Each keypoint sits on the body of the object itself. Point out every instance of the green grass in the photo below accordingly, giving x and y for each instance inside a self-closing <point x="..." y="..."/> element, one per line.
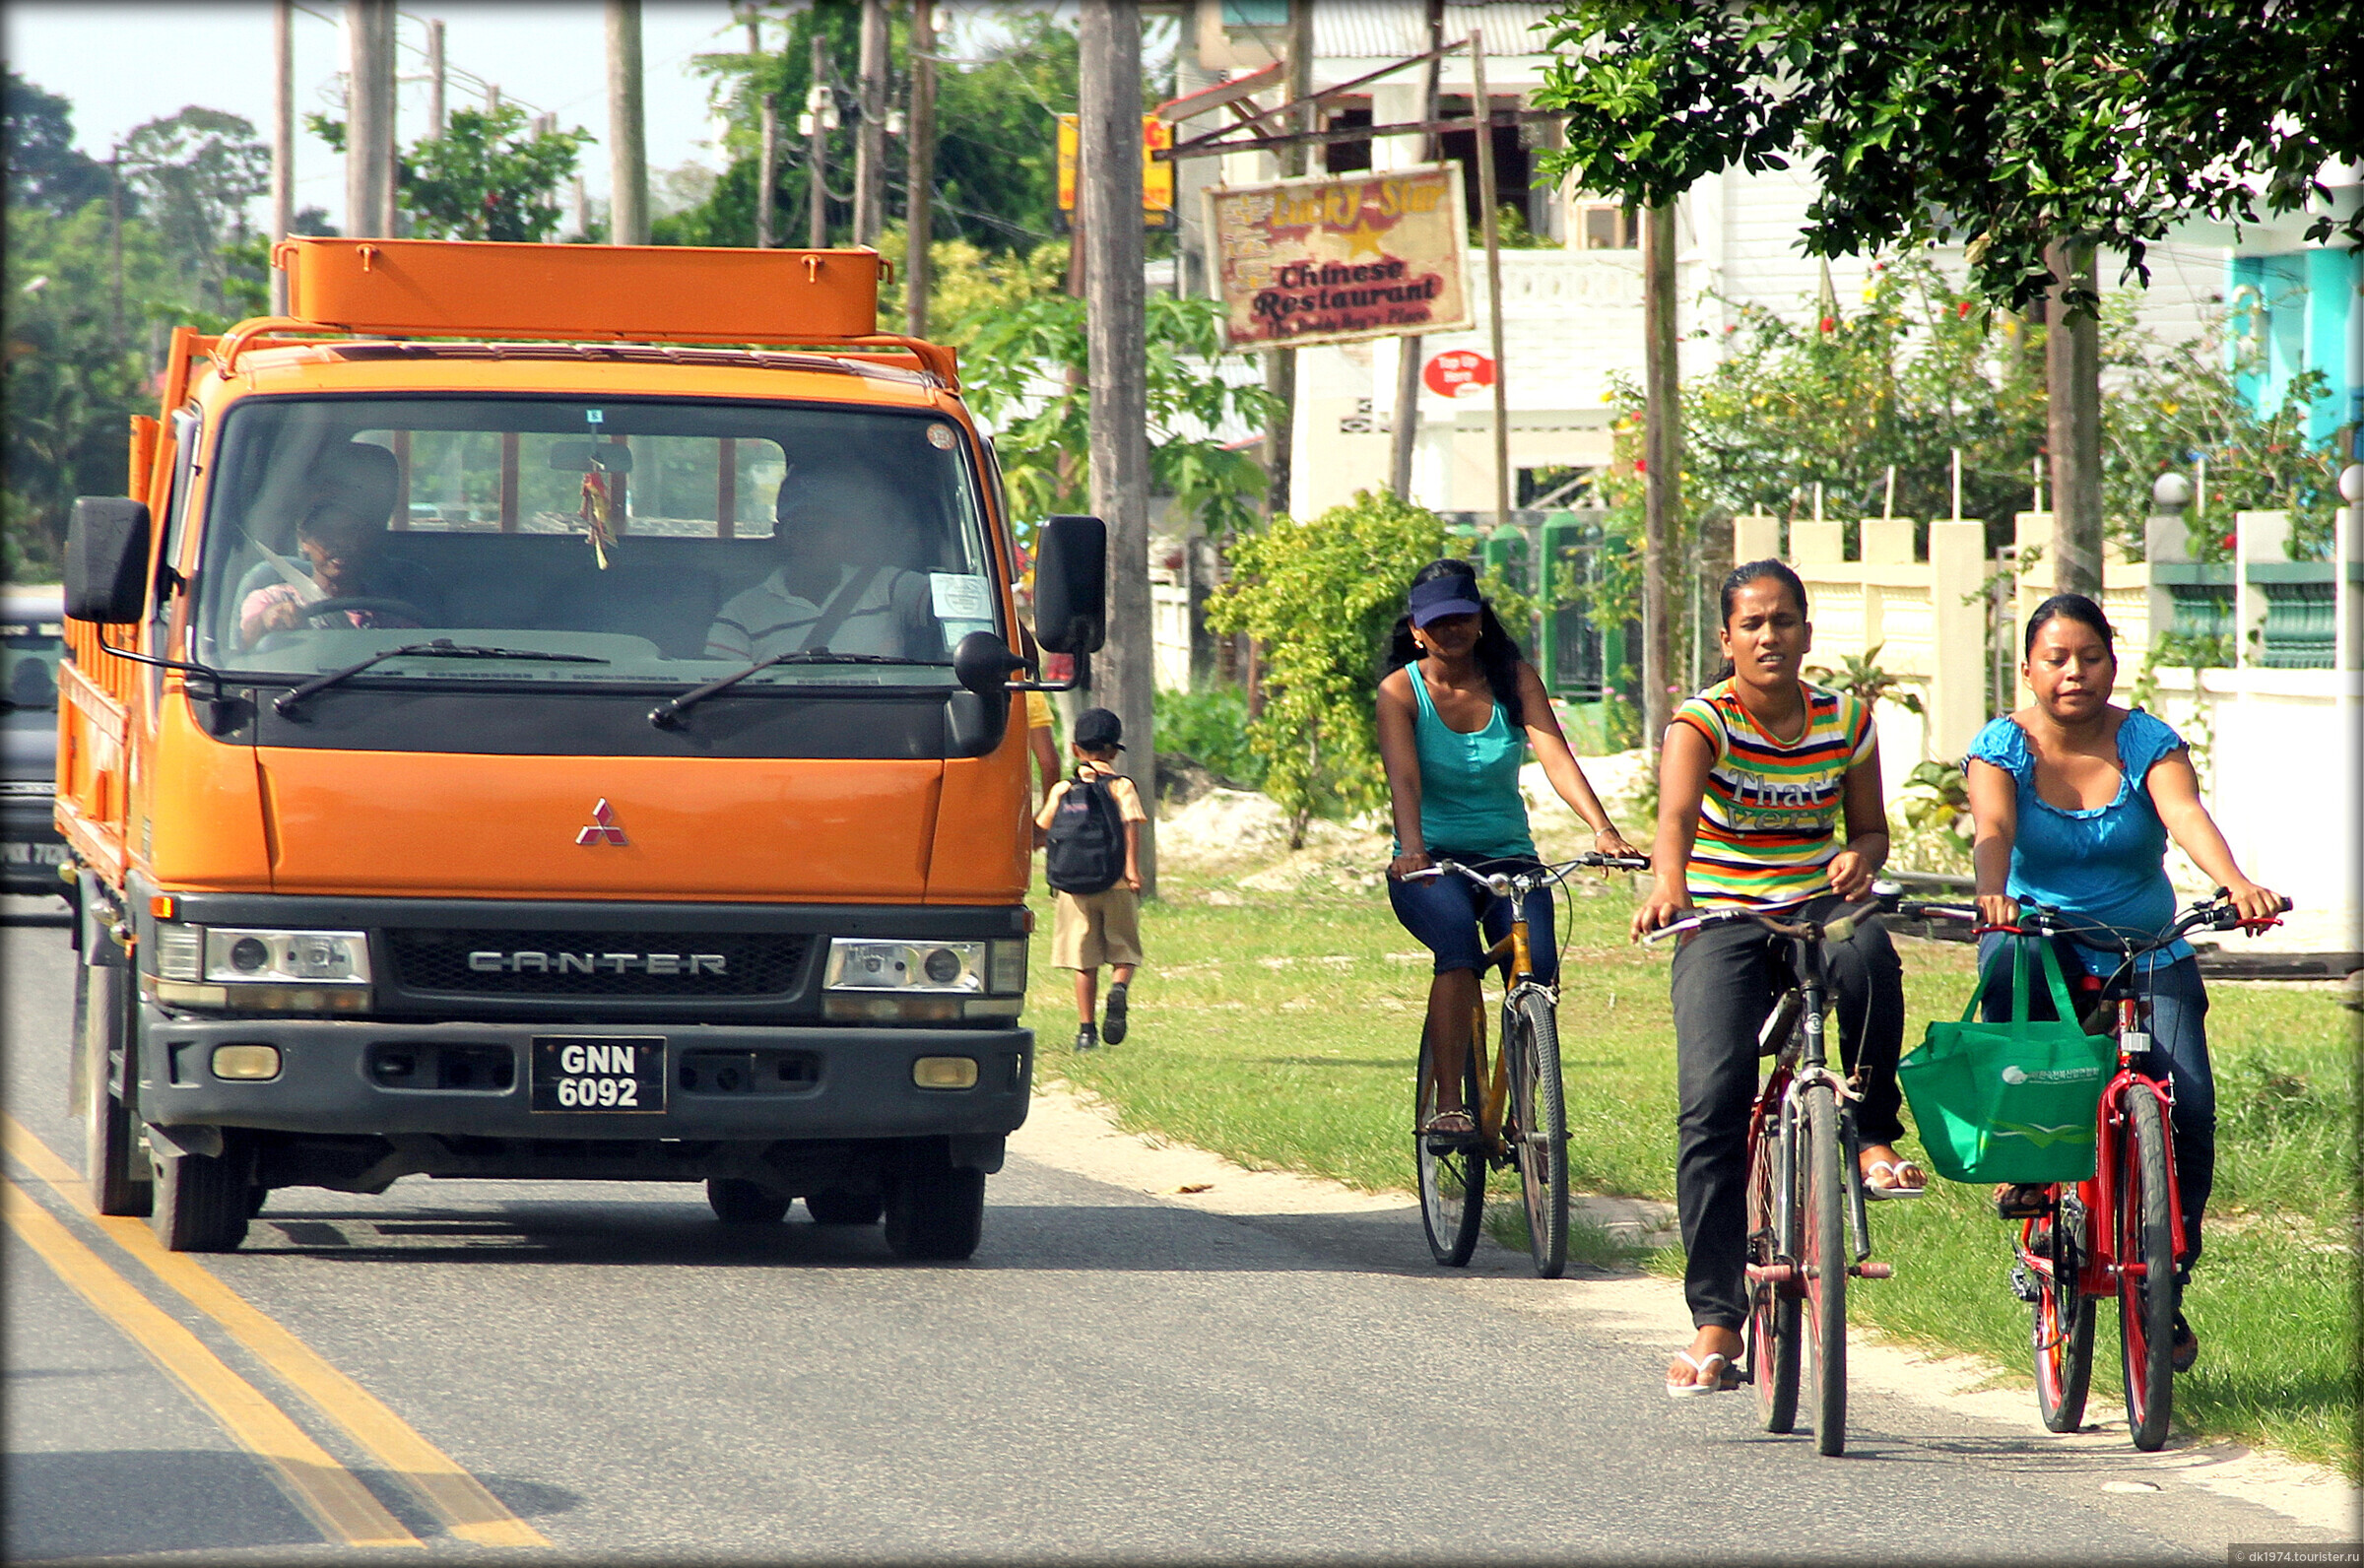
<point x="1278" y="1028"/>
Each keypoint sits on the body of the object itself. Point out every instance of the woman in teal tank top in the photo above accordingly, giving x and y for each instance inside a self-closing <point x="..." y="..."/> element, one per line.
<point x="1458" y="710"/>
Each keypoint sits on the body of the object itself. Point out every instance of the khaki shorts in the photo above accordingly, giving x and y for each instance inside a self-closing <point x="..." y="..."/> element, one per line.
<point x="1088" y="930"/>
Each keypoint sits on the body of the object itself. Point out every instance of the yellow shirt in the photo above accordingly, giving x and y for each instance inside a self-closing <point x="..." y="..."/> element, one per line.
<point x="1038" y="712"/>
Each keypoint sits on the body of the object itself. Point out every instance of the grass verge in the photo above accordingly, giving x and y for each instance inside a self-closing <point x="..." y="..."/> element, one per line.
<point x="1276" y="1025"/>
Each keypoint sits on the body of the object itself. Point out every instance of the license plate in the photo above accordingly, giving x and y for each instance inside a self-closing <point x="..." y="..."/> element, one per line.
<point x="16" y="853"/>
<point x="602" y="1074"/>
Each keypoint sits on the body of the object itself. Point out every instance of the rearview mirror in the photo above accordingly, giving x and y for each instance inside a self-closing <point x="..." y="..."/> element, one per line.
<point x="982" y="662"/>
<point x="1071" y="584"/>
<point x="106" y="559"/>
<point x="580" y="457"/>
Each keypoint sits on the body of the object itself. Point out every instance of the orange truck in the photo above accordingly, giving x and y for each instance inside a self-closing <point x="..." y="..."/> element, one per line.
<point x="548" y="711"/>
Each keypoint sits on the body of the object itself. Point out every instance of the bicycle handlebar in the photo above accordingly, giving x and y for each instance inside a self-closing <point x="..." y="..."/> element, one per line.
<point x="2043" y="920"/>
<point x="1838" y="929"/>
<point x="1507" y="884"/>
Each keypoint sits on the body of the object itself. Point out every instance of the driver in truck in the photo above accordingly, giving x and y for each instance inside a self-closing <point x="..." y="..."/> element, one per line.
<point x="340" y="547"/>
<point x="842" y="583"/>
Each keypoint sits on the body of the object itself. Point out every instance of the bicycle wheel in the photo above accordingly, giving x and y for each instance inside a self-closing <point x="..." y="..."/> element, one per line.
<point x="1452" y="1171"/>
<point x="2064" y="1339"/>
<point x="1772" y="1307"/>
<point x="1824" y="1248"/>
<point x="2146" y="1272"/>
<point x="1540" y="1139"/>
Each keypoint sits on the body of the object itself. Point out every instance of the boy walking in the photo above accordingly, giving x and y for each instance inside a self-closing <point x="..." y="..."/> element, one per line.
<point x="1091" y="824"/>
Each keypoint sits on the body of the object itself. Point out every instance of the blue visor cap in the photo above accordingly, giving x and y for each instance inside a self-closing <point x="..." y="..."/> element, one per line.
<point x="1444" y="596"/>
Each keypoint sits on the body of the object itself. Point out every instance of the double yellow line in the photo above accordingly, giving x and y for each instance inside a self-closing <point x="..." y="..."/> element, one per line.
<point x="327" y="1494"/>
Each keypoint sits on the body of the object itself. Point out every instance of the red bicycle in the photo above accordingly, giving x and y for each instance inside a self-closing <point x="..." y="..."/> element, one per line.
<point x="2120" y="1231"/>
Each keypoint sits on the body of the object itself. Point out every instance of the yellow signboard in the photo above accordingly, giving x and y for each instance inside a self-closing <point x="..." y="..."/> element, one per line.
<point x="1341" y="257"/>
<point x="1157" y="177"/>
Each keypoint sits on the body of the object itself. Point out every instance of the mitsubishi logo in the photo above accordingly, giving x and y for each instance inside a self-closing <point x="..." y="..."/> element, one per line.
<point x="603" y="828"/>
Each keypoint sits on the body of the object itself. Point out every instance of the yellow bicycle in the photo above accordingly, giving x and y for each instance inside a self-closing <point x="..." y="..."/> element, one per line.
<point x="1518" y="1109"/>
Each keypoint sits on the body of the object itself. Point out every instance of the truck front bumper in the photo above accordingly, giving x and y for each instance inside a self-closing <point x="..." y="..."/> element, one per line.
<point x="722" y="1081"/>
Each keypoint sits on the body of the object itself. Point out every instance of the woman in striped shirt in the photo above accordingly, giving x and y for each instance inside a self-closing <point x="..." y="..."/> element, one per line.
<point x="1756" y="776"/>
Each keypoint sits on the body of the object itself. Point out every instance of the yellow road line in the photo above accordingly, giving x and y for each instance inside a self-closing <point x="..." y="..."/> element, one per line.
<point x="324" y="1490"/>
<point x="463" y="1503"/>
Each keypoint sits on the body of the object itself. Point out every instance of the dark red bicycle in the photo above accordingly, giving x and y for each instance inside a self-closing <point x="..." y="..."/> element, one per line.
<point x="2120" y="1231"/>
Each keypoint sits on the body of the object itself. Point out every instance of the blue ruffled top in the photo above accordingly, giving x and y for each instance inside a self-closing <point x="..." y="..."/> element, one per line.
<point x="2104" y="865"/>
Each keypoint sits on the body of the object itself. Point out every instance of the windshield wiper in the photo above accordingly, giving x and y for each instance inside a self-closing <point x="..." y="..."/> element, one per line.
<point x="441" y="649"/>
<point x="664" y="714"/>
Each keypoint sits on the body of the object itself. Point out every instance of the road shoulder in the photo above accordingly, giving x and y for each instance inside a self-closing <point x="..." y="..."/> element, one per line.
<point x="1070" y="1133"/>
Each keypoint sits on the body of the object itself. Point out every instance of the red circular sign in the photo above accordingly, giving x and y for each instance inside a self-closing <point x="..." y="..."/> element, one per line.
<point x="1450" y="373"/>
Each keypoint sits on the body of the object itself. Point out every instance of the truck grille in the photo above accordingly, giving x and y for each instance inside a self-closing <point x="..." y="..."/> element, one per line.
<point x="596" y="964"/>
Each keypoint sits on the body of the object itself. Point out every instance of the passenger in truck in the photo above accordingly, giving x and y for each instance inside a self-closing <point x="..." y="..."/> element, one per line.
<point x="843" y="584"/>
<point x="339" y="546"/>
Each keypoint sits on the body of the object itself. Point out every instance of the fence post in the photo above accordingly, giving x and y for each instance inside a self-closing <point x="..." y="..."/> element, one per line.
<point x="1960" y="624"/>
<point x="1756" y="537"/>
<point x="2259" y="538"/>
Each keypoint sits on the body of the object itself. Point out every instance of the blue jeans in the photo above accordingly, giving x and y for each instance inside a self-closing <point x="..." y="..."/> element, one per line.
<point x="2179" y="1043"/>
<point x="1444" y="912"/>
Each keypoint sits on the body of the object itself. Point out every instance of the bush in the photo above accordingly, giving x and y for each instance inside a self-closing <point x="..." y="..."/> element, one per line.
<point x="1211" y="728"/>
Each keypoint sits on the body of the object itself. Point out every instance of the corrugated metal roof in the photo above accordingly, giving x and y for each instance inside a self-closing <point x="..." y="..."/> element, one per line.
<point x="1377" y="30"/>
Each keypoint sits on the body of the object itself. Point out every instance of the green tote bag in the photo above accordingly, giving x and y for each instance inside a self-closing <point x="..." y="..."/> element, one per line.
<point x="2015" y="1101"/>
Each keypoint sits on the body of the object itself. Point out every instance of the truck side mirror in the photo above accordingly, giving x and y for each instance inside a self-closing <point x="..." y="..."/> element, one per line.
<point x="106" y="559"/>
<point x="1071" y="584"/>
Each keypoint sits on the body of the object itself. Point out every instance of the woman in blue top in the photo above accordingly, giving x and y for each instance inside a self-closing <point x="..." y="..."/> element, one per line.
<point x="2073" y="802"/>
<point x="1457" y="709"/>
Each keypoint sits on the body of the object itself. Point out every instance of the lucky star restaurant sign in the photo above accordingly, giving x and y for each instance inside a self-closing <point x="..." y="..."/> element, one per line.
<point x="1340" y="258"/>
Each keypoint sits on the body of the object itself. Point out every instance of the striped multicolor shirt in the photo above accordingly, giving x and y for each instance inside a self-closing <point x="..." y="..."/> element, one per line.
<point x="1771" y="816"/>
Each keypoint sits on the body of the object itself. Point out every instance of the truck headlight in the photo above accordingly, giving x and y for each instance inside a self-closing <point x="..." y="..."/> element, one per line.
<point x="312" y="957"/>
<point x="943" y="967"/>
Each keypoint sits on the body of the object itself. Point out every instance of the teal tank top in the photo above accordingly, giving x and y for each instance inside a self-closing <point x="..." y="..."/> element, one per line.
<point x="1470" y="798"/>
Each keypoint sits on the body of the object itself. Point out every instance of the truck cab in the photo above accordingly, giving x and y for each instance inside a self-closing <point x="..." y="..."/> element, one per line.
<point x="546" y="712"/>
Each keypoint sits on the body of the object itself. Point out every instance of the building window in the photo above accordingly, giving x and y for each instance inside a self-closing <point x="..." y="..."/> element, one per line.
<point x="1605" y="225"/>
<point x="1342" y="158"/>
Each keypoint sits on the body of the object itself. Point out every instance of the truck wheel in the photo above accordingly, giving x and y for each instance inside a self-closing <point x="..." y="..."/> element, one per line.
<point x="936" y="1213"/>
<point x="119" y="1173"/>
<point x="838" y="1208"/>
<point x="202" y="1200"/>
<point x="743" y="1202"/>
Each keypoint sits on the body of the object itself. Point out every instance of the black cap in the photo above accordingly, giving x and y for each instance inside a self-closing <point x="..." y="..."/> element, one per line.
<point x="1098" y="730"/>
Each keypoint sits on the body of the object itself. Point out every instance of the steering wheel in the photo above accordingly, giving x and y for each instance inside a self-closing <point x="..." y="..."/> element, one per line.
<point x="363" y="602"/>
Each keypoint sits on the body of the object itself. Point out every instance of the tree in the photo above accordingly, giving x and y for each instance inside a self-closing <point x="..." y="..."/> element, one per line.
<point x="1018" y="361"/>
<point x="2032" y="134"/>
<point x="195" y="172"/>
<point x="72" y="380"/>
<point x="1320" y="597"/>
<point x="36" y="138"/>
<point x="489" y="176"/>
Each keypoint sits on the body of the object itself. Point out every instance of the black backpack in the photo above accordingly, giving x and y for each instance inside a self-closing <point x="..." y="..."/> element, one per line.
<point x="1084" y="852"/>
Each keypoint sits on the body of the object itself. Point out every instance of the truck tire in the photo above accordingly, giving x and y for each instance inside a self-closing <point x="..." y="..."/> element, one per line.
<point x="936" y="1211"/>
<point x="111" y="1157"/>
<point x="743" y="1202"/>
<point x="838" y="1208"/>
<point x="202" y="1200"/>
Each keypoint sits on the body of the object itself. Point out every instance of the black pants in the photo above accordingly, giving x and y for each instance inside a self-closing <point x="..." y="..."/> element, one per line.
<point x="1725" y="980"/>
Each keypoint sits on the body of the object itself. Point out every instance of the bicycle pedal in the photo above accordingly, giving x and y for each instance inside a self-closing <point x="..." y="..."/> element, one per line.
<point x="2011" y="1206"/>
<point x="2025" y="1285"/>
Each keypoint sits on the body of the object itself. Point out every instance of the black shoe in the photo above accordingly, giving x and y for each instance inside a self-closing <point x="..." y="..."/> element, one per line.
<point x="1088" y="1038"/>
<point x="2184" y="1348"/>
<point x="1115" y="1025"/>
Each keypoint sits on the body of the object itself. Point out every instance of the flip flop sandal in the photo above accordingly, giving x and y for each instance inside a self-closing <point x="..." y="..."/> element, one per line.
<point x="1450" y="1123"/>
<point x="1722" y="1380"/>
<point x="1897" y="1187"/>
<point x="2184" y="1348"/>
<point x="2023" y="1200"/>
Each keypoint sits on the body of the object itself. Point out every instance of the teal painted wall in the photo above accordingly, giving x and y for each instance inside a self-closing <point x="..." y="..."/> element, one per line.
<point x="2290" y="313"/>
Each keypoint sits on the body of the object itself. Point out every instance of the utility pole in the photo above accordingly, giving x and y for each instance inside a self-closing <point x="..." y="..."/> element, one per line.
<point x="1280" y="364"/>
<point x="870" y="131"/>
<point x="370" y="117"/>
<point x="767" y="163"/>
<point x="919" y="180"/>
<point x="436" y="78"/>
<point x="1108" y="198"/>
<point x="1662" y="480"/>
<point x="627" y="128"/>
<point x="114" y="230"/>
<point x="1489" y="224"/>
<point x="816" y="147"/>
<point x="2072" y="420"/>
<point x="1406" y="432"/>
<point x="283" y="139"/>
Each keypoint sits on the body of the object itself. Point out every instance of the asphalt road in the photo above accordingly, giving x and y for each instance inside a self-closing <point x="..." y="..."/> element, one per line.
<point x="1111" y="1378"/>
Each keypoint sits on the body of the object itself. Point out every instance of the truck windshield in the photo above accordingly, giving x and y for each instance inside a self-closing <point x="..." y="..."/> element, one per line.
<point x="670" y="541"/>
